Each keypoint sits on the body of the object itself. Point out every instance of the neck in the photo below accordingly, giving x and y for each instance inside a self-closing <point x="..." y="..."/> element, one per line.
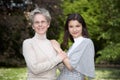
<point x="78" y="38"/>
<point x="41" y="37"/>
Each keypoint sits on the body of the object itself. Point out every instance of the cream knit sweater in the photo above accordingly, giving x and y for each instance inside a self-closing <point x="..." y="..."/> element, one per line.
<point x="41" y="58"/>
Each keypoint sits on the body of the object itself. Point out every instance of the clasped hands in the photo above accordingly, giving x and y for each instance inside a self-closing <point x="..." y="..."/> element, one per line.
<point x="57" y="47"/>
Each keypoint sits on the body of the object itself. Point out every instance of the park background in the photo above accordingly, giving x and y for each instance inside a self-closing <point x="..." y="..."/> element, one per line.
<point x="103" y="22"/>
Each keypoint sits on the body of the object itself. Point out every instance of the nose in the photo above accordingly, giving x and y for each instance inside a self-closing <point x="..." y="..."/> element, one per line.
<point x="74" y="29"/>
<point x="40" y="24"/>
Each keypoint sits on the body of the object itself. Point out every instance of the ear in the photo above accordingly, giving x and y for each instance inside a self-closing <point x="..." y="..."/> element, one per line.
<point x="33" y="27"/>
<point x="48" y="24"/>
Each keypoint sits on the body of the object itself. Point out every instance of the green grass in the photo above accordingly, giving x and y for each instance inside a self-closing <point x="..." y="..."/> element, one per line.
<point x="13" y="74"/>
<point x="20" y="74"/>
<point x="107" y="74"/>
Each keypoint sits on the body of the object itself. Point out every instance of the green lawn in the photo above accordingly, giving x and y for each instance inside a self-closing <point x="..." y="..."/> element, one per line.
<point x="107" y="74"/>
<point x="13" y="74"/>
<point x="20" y="74"/>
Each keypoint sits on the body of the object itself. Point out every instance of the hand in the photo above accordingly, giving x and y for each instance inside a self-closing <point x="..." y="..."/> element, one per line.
<point x="56" y="46"/>
<point x="63" y="55"/>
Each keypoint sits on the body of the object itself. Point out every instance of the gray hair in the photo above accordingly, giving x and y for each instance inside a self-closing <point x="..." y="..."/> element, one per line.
<point x="42" y="11"/>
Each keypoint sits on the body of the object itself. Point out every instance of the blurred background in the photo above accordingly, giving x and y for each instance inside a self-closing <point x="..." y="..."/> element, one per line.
<point x="103" y="22"/>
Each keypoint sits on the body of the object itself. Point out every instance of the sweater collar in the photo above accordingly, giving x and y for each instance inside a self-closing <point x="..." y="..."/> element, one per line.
<point x="41" y="37"/>
<point x="78" y="39"/>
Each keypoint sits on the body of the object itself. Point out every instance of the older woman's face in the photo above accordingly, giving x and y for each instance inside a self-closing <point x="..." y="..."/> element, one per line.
<point x="40" y="24"/>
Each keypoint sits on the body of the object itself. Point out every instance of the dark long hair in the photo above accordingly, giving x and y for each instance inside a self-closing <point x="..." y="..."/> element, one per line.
<point x="67" y="35"/>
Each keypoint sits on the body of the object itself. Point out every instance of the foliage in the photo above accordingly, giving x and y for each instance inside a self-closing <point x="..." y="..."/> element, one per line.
<point x="12" y="29"/>
<point x="110" y="54"/>
<point x="109" y="20"/>
<point x="109" y="23"/>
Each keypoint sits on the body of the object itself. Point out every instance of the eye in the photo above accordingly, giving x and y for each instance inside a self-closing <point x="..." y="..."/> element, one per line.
<point x="70" y="26"/>
<point x="36" y="22"/>
<point x="78" y="26"/>
<point x="43" y="21"/>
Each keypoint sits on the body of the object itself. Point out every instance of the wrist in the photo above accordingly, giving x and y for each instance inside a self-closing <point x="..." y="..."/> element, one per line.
<point x="59" y="51"/>
<point x="65" y="58"/>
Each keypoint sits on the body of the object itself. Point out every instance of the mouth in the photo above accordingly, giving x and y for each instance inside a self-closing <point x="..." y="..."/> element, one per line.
<point x="75" y="33"/>
<point x="40" y="28"/>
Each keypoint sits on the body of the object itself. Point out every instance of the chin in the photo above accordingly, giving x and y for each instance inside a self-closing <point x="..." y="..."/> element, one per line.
<point x="41" y="33"/>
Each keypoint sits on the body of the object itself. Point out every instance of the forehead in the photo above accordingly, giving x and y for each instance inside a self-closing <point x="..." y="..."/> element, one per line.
<point x="73" y="22"/>
<point x="39" y="17"/>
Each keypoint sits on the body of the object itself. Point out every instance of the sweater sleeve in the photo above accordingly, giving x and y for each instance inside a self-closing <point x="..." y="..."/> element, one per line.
<point x="60" y="66"/>
<point x="33" y="65"/>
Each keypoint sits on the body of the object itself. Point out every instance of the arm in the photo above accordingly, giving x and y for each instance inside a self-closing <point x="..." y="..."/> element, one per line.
<point x="33" y="65"/>
<point x="67" y="64"/>
<point x="84" y="64"/>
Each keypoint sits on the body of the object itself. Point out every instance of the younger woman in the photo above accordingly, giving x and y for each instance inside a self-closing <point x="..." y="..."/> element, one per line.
<point x="80" y="61"/>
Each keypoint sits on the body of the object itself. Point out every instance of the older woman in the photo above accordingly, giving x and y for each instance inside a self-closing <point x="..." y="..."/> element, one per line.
<point x="40" y="56"/>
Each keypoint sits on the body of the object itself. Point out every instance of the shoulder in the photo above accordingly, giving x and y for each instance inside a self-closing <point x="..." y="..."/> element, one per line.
<point x="27" y="41"/>
<point x="88" y="40"/>
<point x="53" y="41"/>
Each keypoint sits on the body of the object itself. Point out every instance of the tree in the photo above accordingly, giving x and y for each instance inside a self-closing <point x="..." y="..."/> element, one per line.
<point x="15" y="27"/>
<point x="109" y="23"/>
<point x="102" y="18"/>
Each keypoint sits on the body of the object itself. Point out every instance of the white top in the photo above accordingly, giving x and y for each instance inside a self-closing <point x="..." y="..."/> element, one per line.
<point x="81" y="58"/>
<point x="77" y="41"/>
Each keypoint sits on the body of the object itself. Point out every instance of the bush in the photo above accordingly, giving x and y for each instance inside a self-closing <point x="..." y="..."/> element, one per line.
<point x="110" y="54"/>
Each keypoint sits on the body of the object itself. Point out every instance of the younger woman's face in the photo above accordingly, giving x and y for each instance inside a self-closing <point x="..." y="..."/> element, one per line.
<point x="75" y="28"/>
